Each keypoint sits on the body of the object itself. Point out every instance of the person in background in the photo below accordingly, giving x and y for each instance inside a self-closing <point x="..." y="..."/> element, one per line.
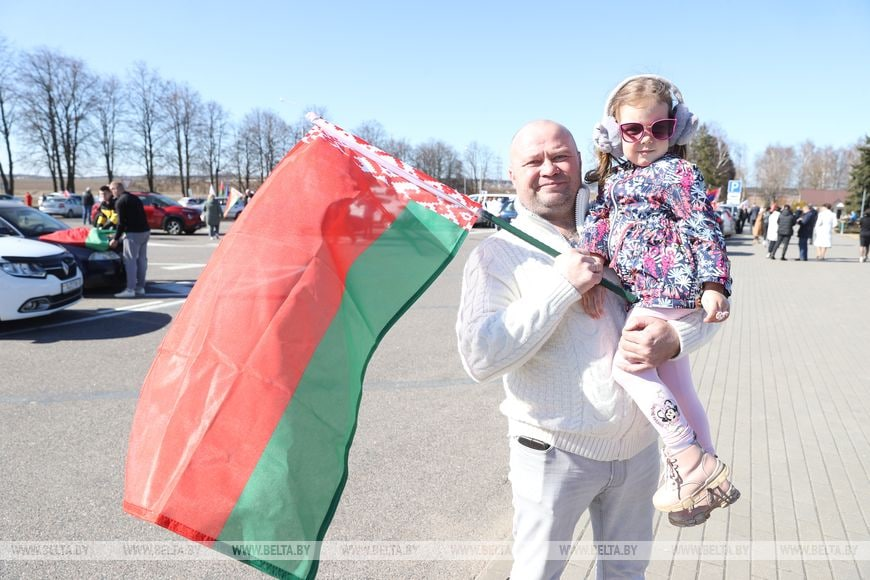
<point x="864" y="236"/>
<point x="758" y="226"/>
<point x="28" y="199"/>
<point x="106" y="218"/>
<point x="806" y="224"/>
<point x="211" y="209"/>
<point x="571" y="427"/>
<point x="824" y="230"/>
<point x="87" y="205"/>
<point x="133" y="233"/>
<point x="784" y="231"/>
<point x="772" y="229"/>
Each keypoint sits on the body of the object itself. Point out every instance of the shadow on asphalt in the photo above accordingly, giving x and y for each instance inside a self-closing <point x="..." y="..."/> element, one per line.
<point x="84" y="325"/>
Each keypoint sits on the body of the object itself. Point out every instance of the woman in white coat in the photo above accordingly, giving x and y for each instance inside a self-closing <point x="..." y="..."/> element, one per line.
<point x="825" y="224"/>
<point x="772" y="228"/>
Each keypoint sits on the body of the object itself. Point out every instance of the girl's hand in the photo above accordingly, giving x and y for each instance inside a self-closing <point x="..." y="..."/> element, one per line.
<point x="592" y="302"/>
<point x="715" y="305"/>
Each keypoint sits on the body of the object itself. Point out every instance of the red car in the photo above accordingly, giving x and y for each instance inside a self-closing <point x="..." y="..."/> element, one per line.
<point x="164" y="213"/>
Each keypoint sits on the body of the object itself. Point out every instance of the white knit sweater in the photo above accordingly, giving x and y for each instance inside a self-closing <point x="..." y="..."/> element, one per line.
<point x="520" y="318"/>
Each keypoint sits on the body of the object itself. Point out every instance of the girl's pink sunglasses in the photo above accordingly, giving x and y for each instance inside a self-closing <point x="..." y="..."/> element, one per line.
<point x="663" y="129"/>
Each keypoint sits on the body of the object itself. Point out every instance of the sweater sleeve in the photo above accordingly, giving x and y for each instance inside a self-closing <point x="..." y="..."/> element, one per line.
<point x="693" y="331"/>
<point x="498" y="329"/>
<point x="122" y="211"/>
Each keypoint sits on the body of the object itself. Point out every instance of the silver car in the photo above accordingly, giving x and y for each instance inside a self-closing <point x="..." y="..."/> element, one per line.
<point x="62" y="204"/>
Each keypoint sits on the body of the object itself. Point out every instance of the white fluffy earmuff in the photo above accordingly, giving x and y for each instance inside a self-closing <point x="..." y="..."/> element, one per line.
<point x="606" y="136"/>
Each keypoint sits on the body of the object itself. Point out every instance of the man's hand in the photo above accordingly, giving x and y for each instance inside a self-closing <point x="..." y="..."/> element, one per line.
<point x="581" y="270"/>
<point x="646" y="343"/>
<point x="113" y="244"/>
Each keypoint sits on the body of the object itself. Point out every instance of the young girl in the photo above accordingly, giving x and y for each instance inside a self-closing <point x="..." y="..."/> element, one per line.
<point x="655" y="226"/>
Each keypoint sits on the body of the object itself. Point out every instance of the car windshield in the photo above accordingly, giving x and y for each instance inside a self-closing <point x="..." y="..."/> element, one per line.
<point x="30" y="221"/>
<point x="165" y="199"/>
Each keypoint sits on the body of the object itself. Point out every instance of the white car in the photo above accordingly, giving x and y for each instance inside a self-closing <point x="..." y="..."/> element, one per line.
<point x="726" y="222"/>
<point x="36" y="278"/>
<point x="62" y="205"/>
<point x="192" y="202"/>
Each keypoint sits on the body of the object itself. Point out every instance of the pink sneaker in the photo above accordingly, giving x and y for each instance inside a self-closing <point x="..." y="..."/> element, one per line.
<point x="690" y="475"/>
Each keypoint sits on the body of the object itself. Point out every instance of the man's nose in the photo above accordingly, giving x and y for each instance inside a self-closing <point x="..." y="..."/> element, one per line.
<point x="548" y="167"/>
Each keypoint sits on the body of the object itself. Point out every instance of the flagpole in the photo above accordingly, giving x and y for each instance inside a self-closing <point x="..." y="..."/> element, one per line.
<point x="387" y="161"/>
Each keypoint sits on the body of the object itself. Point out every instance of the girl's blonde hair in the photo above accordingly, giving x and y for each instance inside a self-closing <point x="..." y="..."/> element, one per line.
<point x="636" y="91"/>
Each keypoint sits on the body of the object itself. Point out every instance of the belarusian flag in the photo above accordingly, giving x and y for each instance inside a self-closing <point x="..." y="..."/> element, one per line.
<point x="86" y="236"/>
<point x="235" y="195"/>
<point x="246" y="417"/>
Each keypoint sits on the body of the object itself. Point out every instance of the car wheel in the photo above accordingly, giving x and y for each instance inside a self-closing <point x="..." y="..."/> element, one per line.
<point x="173" y="226"/>
<point x="69" y="213"/>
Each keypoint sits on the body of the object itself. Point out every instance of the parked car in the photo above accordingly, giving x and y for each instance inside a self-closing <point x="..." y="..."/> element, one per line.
<point x="235" y="211"/>
<point x="36" y="278"/>
<point x="7" y="197"/>
<point x="726" y="222"/>
<point x="508" y="212"/>
<point x="494" y="203"/>
<point x="100" y="269"/>
<point x="164" y="213"/>
<point x="62" y="204"/>
<point x="192" y="202"/>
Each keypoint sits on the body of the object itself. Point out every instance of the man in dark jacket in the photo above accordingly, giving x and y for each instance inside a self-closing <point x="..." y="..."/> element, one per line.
<point x="864" y="236"/>
<point x="785" y="229"/>
<point x="87" y="204"/>
<point x="806" y="224"/>
<point x="133" y="226"/>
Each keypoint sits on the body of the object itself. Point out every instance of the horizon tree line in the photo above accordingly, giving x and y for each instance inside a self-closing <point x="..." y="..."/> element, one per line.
<point x="65" y="117"/>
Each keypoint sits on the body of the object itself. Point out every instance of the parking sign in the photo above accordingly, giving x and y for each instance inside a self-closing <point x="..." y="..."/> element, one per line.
<point x="735" y="191"/>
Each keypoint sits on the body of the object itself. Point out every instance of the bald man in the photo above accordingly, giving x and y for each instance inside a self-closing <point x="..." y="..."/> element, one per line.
<point x="577" y="440"/>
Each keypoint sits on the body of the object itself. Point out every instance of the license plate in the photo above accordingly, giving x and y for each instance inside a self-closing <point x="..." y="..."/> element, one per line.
<point x="71" y="285"/>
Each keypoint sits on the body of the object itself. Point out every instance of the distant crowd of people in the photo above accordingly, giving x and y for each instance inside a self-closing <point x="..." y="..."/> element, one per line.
<point x="777" y="224"/>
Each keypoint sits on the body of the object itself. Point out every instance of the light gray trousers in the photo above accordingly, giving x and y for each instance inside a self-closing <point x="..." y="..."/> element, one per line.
<point x="136" y="258"/>
<point x="552" y="489"/>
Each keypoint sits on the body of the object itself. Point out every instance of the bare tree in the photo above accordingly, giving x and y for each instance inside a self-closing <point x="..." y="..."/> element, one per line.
<point x="182" y="110"/>
<point x="847" y="158"/>
<point x="8" y="106"/>
<point x="214" y="131"/>
<point x="477" y="158"/>
<point x="243" y="158"/>
<point x="39" y="74"/>
<point x="775" y="169"/>
<point x="145" y="91"/>
<point x="400" y="148"/>
<point x="109" y="110"/>
<point x="302" y="125"/>
<point x="77" y="93"/>
<point x="440" y="161"/>
<point x="373" y="132"/>
<point x="268" y="137"/>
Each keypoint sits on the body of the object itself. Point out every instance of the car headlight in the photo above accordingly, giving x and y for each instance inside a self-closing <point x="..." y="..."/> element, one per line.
<point x="22" y="269"/>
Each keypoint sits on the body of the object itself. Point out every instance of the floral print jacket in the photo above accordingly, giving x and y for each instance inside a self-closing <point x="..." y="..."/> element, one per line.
<point x="659" y="232"/>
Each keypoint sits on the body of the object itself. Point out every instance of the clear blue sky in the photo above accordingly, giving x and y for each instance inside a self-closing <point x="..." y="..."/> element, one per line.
<point x="765" y="73"/>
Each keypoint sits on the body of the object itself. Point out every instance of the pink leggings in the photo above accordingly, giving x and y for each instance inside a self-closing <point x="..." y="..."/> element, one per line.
<point x="667" y="395"/>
